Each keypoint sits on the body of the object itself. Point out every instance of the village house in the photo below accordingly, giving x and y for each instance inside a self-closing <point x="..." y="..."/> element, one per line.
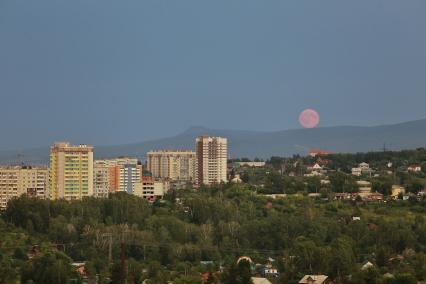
<point x="342" y="196"/>
<point x="363" y="168"/>
<point x="396" y="191"/>
<point x="414" y="169"/>
<point x="366" y="265"/>
<point x="260" y="280"/>
<point x="315" y="279"/>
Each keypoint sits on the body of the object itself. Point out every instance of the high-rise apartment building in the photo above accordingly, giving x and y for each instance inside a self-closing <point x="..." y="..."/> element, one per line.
<point x="101" y="186"/>
<point x="16" y="181"/>
<point x="212" y="159"/>
<point x="175" y="165"/>
<point x="117" y="175"/>
<point x="71" y="171"/>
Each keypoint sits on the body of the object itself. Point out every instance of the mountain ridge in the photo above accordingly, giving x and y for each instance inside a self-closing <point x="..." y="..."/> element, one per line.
<point x="263" y="144"/>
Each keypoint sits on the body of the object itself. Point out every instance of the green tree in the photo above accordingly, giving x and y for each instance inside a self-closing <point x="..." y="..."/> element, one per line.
<point x="51" y="267"/>
<point x="238" y="273"/>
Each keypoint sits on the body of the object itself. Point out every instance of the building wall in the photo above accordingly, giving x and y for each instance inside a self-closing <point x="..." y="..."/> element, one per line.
<point x="212" y="158"/>
<point x="16" y="181"/>
<point x="9" y="187"/>
<point x="173" y="165"/>
<point x="152" y="189"/>
<point x="71" y="171"/>
<point x="122" y="173"/>
<point x="34" y="181"/>
<point x="100" y="180"/>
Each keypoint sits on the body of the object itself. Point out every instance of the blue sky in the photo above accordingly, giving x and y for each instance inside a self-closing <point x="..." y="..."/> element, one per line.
<point x="110" y="72"/>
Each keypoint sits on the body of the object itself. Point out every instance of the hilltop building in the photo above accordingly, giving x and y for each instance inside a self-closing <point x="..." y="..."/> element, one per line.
<point x="363" y="168"/>
<point x="255" y="164"/>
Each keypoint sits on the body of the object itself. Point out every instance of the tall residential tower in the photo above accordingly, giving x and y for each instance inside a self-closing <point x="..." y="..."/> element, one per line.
<point x="212" y="158"/>
<point x="175" y="165"/>
<point x="71" y="171"/>
<point x="116" y="175"/>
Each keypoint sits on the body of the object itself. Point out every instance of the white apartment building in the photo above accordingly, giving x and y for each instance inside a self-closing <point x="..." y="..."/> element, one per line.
<point x="175" y="165"/>
<point x="212" y="159"/>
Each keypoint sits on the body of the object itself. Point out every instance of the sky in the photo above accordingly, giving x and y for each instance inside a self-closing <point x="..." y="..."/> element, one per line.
<point x="107" y="72"/>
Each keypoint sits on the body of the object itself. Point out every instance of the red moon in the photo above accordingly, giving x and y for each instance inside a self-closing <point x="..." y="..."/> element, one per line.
<point x="309" y="118"/>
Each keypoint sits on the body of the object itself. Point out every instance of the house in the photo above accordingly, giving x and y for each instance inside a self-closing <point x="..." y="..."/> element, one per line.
<point x="237" y="179"/>
<point x="371" y="226"/>
<point x="314" y="279"/>
<point x="259" y="280"/>
<point x="315" y="170"/>
<point x="206" y="276"/>
<point x="250" y="164"/>
<point x="375" y="196"/>
<point x="407" y="196"/>
<point x="318" y="152"/>
<point x="80" y="268"/>
<point x="366" y="265"/>
<point x="364" y="188"/>
<point x="356" y="172"/>
<point x="342" y="196"/>
<point x="363" y="168"/>
<point x="316" y="167"/>
<point x="275" y="196"/>
<point x="33" y="252"/>
<point x="414" y="169"/>
<point x="363" y="183"/>
<point x="364" y="192"/>
<point x="397" y="190"/>
<point x="269" y="270"/>
<point x="314" y="174"/>
<point x="421" y="194"/>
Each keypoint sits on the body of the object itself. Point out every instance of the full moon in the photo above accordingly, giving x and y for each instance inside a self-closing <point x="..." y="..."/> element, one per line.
<point x="309" y="118"/>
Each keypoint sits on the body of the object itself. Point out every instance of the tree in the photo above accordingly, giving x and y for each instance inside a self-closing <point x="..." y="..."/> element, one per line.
<point x="51" y="267"/>
<point x="342" y="258"/>
<point x="341" y="182"/>
<point x="188" y="280"/>
<point x="382" y="185"/>
<point x="7" y="273"/>
<point x="238" y="273"/>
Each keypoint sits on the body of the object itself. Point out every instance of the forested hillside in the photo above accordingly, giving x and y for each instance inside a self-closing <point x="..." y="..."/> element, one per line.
<point x="191" y="233"/>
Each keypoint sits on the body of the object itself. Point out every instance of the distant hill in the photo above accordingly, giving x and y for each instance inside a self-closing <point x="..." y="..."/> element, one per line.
<point x="262" y="144"/>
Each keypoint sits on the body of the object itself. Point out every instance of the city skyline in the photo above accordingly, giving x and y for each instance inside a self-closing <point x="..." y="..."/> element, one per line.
<point x="213" y="142"/>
